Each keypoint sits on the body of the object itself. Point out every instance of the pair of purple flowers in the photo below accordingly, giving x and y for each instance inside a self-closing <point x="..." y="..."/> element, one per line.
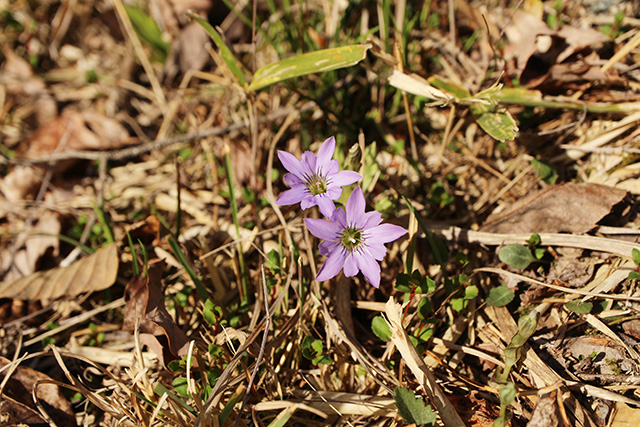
<point x="353" y="239"/>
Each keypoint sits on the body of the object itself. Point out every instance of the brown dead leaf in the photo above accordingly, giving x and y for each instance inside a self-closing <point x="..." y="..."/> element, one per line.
<point x="188" y="51"/>
<point x="551" y="59"/>
<point x="625" y="416"/>
<point x="145" y="300"/>
<point x="34" y="248"/>
<point x="572" y="208"/>
<point x="72" y="130"/>
<point x="29" y="90"/>
<point x="546" y="413"/>
<point x="93" y="273"/>
<point x="476" y="412"/>
<point x="17" y="406"/>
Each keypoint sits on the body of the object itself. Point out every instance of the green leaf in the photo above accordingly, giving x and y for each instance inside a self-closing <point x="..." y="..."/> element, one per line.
<point x="225" y="53"/>
<point x="545" y="171"/>
<point x="634" y="275"/>
<point x="635" y="253"/>
<point x="322" y="359"/>
<point x="516" y="256"/>
<point x="307" y="347"/>
<point x="308" y="63"/>
<point x="539" y="253"/>
<point x="180" y="386"/>
<point x="412" y="409"/>
<point x="500" y="296"/>
<point x="507" y="393"/>
<point x="498" y="124"/>
<point x="579" y="307"/>
<point x="371" y="166"/>
<point x="424" y="308"/>
<point x="148" y="31"/>
<point x="380" y="327"/>
<point x="534" y="240"/>
<point x="425" y="334"/>
<point x="458" y="304"/>
<point x="470" y="292"/>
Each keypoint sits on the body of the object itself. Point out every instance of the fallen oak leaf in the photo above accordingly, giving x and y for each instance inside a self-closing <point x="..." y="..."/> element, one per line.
<point x="572" y="208"/>
<point x="95" y="272"/>
<point x="158" y="330"/>
<point x="17" y="406"/>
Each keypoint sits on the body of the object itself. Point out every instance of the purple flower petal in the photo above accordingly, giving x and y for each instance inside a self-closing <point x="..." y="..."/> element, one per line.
<point x="331" y="168"/>
<point x="331" y="266"/>
<point x="334" y="193"/>
<point x="291" y="196"/>
<point x="345" y="178"/>
<point x="292" y="164"/>
<point x="377" y="251"/>
<point x="327" y="247"/>
<point x="371" y="219"/>
<point x="309" y="159"/>
<point x="369" y="267"/>
<point x="355" y="208"/>
<point x="322" y="229"/>
<point x="384" y="233"/>
<point x="325" y="153"/>
<point x="292" y="179"/>
<point x="339" y="217"/>
<point x="325" y="204"/>
<point x="350" y="266"/>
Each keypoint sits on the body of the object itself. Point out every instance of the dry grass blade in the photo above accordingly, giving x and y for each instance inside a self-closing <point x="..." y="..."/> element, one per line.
<point x="419" y="369"/>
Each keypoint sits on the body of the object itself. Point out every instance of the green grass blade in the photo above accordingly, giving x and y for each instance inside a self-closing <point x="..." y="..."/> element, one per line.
<point x="225" y="53"/>
<point x="234" y="213"/>
<point x="438" y="249"/>
<point x="182" y="259"/>
<point x="308" y="63"/>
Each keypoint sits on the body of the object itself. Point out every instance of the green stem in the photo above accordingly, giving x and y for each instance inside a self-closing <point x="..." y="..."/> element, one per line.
<point x="244" y="294"/>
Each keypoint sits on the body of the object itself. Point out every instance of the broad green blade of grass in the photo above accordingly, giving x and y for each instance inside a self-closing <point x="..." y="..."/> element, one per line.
<point x="225" y="53"/>
<point x="148" y="31"/>
<point x="308" y="63"/>
<point x="499" y="124"/>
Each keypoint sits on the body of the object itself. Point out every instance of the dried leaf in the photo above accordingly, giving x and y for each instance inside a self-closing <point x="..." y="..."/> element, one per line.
<point x="18" y="407"/>
<point x="93" y="273"/>
<point x="573" y="208"/>
<point x="158" y="330"/>
<point x="546" y="413"/>
<point x="74" y="130"/>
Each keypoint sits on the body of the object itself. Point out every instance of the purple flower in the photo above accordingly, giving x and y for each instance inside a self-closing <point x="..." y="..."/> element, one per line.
<point x="353" y="240"/>
<point x="315" y="180"/>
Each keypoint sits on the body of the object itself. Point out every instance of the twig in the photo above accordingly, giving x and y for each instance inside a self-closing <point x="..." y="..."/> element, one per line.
<point x="137" y="150"/>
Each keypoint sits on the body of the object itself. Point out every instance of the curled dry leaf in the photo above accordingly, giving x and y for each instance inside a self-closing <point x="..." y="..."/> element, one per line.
<point x="17" y="406"/>
<point x="93" y="273"/>
<point x="158" y="330"/>
<point x="572" y="208"/>
<point x="33" y="248"/>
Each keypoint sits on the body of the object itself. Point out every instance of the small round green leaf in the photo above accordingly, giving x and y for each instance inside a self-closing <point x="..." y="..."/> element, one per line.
<point x="380" y="327"/>
<point x="500" y="296"/>
<point x="578" y="307"/>
<point x="516" y="256"/>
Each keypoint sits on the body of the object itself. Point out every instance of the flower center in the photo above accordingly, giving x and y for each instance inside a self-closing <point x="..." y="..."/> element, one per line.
<point x="351" y="238"/>
<point x="317" y="185"/>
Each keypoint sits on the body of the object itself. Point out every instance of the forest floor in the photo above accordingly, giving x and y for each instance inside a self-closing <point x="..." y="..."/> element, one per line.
<point x="151" y="275"/>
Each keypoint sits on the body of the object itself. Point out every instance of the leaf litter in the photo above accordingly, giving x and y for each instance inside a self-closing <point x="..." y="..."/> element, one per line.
<point x="114" y="142"/>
